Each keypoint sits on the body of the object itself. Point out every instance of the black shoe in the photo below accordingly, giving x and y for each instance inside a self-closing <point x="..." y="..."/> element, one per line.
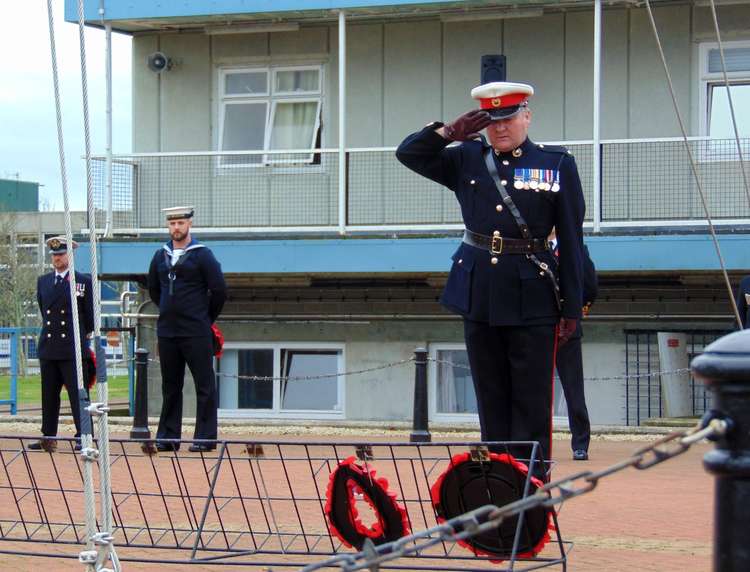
<point x="201" y="448"/>
<point x="77" y="447"/>
<point x="162" y="447"/>
<point x="580" y="455"/>
<point x="42" y="445"/>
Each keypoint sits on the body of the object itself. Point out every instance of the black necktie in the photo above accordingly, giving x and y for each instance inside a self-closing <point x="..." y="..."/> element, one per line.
<point x="58" y="280"/>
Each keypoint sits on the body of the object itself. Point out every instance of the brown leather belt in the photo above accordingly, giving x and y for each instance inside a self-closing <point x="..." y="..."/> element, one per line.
<point x="501" y="245"/>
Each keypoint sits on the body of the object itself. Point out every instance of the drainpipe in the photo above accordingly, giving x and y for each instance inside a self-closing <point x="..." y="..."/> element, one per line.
<point x="342" y="122"/>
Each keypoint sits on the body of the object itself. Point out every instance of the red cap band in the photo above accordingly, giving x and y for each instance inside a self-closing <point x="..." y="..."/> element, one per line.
<point x="504" y="101"/>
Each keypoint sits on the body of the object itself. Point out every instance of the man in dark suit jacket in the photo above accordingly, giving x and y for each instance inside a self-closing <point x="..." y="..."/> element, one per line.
<point x="569" y="361"/>
<point x="743" y="301"/>
<point x="186" y="282"/>
<point x="56" y="346"/>
<point x="504" y="281"/>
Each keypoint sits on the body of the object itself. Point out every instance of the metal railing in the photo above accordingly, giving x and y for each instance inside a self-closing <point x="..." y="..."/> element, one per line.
<point x="644" y="182"/>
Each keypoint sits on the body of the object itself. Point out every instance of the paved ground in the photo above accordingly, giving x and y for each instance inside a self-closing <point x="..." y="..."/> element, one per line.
<point x="654" y="520"/>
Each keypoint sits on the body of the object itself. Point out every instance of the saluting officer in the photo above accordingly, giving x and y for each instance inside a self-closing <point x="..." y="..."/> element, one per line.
<point x="504" y="281"/>
<point x="569" y="361"/>
<point x="743" y="301"/>
<point x="56" y="346"/>
<point x="186" y="282"/>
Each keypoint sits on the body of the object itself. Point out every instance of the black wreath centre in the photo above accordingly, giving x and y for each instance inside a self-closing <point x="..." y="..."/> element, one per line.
<point x="473" y="484"/>
<point x="342" y="514"/>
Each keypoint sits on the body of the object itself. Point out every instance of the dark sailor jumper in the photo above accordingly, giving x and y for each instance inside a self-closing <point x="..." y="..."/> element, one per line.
<point x="189" y="290"/>
<point x="504" y="280"/>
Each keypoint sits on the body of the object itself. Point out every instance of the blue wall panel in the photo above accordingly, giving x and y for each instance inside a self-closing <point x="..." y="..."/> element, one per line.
<point x="412" y="255"/>
<point x="144" y="9"/>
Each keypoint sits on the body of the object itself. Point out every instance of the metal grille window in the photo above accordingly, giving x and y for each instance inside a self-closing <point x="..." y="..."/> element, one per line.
<point x="716" y="119"/>
<point x="269" y="109"/>
<point x="643" y="382"/>
<point x="293" y="380"/>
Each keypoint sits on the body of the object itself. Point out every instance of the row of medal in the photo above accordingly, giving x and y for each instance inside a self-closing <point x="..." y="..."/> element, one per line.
<point x="537" y="179"/>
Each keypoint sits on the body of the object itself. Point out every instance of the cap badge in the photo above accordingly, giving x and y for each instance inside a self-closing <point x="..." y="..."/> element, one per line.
<point x="496" y="101"/>
<point x="54" y="244"/>
<point x="517" y="152"/>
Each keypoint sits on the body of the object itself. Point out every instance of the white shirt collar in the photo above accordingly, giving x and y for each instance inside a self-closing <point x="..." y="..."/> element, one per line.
<point x="62" y="274"/>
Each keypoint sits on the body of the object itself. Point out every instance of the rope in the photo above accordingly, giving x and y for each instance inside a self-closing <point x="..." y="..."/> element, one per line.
<point x="103" y="539"/>
<point x="693" y="166"/>
<point x="729" y="96"/>
<point x="86" y="440"/>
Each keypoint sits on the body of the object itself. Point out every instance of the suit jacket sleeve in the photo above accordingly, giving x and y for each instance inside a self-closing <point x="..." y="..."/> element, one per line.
<point x="154" y="284"/>
<point x="39" y="293"/>
<point x="741" y="300"/>
<point x="214" y="278"/>
<point x="590" y="282"/>
<point x="570" y="208"/>
<point x="427" y="153"/>
<point x="88" y="305"/>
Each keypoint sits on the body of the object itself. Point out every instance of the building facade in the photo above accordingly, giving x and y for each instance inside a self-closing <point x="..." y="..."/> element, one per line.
<point x="279" y="125"/>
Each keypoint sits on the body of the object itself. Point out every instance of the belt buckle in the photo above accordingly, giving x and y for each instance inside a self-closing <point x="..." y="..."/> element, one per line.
<point x="493" y="242"/>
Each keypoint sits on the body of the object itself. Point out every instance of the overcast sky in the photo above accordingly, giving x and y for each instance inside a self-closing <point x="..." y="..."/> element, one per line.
<point x="28" y="132"/>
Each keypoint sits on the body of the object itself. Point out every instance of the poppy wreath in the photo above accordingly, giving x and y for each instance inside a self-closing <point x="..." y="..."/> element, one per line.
<point x="217" y="337"/>
<point x="343" y="518"/>
<point x="466" y="485"/>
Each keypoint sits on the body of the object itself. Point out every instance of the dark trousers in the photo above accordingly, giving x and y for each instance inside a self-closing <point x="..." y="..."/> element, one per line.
<point x="512" y="368"/>
<point x="570" y="370"/>
<point x="197" y="353"/>
<point x="55" y="375"/>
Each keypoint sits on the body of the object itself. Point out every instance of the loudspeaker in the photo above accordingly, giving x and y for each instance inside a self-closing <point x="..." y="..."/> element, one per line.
<point x="493" y="68"/>
<point x="158" y="62"/>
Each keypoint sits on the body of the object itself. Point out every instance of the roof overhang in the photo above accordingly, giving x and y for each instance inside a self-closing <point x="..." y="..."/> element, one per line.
<point x="137" y="16"/>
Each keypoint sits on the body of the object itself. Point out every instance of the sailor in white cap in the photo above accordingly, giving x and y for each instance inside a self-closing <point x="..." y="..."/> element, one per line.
<point x="56" y="345"/>
<point x="516" y="299"/>
<point x="186" y="282"/>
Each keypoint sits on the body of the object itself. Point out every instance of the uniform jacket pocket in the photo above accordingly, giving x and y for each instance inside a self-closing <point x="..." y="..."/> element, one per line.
<point x="457" y="293"/>
<point x="537" y="294"/>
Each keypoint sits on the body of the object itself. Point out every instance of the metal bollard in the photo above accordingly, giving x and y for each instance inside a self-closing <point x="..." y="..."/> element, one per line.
<point x="140" y="428"/>
<point x="421" y="431"/>
<point x="725" y="369"/>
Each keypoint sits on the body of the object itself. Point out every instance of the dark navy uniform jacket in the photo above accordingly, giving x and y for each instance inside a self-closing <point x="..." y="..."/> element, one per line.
<point x="56" y="339"/>
<point x="511" y="292"/>
<point x="198" y="291"/>
<point x="743" y="301"/>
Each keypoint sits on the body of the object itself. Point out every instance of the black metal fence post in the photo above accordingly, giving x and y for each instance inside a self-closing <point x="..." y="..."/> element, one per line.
<point x="724" y="367"/>
<point x="421" y="431"/>
<point x="140" y="428"/>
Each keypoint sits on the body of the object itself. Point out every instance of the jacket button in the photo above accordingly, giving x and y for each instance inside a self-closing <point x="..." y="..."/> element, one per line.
<point x="493" y="260"/>
<point x="49" y="323"/>
<point x="472" y="182"/>
<point x="503" y="182"/>
<point x="62" y="311"/>
<point x="62" y="335"/>
<point x="505" y="162"/>
<point x="496" y="234"/>
<point x="62" y="323"/>
<point x="49" y="335"/>
<point x="460" y="260"/>
<point x="499" y="208"/>
<point x="48" y="311"/>
<point x="541" y="274"/>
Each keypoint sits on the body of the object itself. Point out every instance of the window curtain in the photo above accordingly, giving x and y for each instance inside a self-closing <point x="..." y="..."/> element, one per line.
<point x="294" y="125"/>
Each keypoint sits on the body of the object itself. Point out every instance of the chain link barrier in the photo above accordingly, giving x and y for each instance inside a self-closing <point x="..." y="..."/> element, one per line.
<point x="490" y="517"/>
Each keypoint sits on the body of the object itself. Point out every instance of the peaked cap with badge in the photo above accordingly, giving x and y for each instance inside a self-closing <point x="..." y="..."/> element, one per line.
<point x="176" y="213"/>
<point x="59" y="245"/>
<point x="504" y="281"/>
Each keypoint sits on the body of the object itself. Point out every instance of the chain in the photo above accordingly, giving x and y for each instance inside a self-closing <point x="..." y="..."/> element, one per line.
<point x="490" y="517"/>
<point x="308" y="377"/>
<point x="603" y="378"/>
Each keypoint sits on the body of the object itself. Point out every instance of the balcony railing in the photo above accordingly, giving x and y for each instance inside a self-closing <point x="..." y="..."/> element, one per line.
<point x="646" y="183"/>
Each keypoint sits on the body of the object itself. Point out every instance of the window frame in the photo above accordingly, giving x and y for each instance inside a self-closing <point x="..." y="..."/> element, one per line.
<point x="710" y="79"/>
<point x="270" y="98"/>
<point x="276" y="412"/>
<point x="432" y="379"/>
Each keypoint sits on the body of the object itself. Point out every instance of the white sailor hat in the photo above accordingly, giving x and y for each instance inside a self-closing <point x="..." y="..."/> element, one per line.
<point x="502" y="99"/>
<point x="174" y="213"/>
<point x="59" y="245"/>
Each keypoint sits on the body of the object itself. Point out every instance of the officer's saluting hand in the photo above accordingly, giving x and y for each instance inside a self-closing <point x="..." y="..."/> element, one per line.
<point x="513" y="294"/>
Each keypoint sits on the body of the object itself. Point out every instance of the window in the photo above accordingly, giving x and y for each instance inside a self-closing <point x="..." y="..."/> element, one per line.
<point x="269" y="109"/>
<point x="716" y="120"/>
<point x="286" y="392"/>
